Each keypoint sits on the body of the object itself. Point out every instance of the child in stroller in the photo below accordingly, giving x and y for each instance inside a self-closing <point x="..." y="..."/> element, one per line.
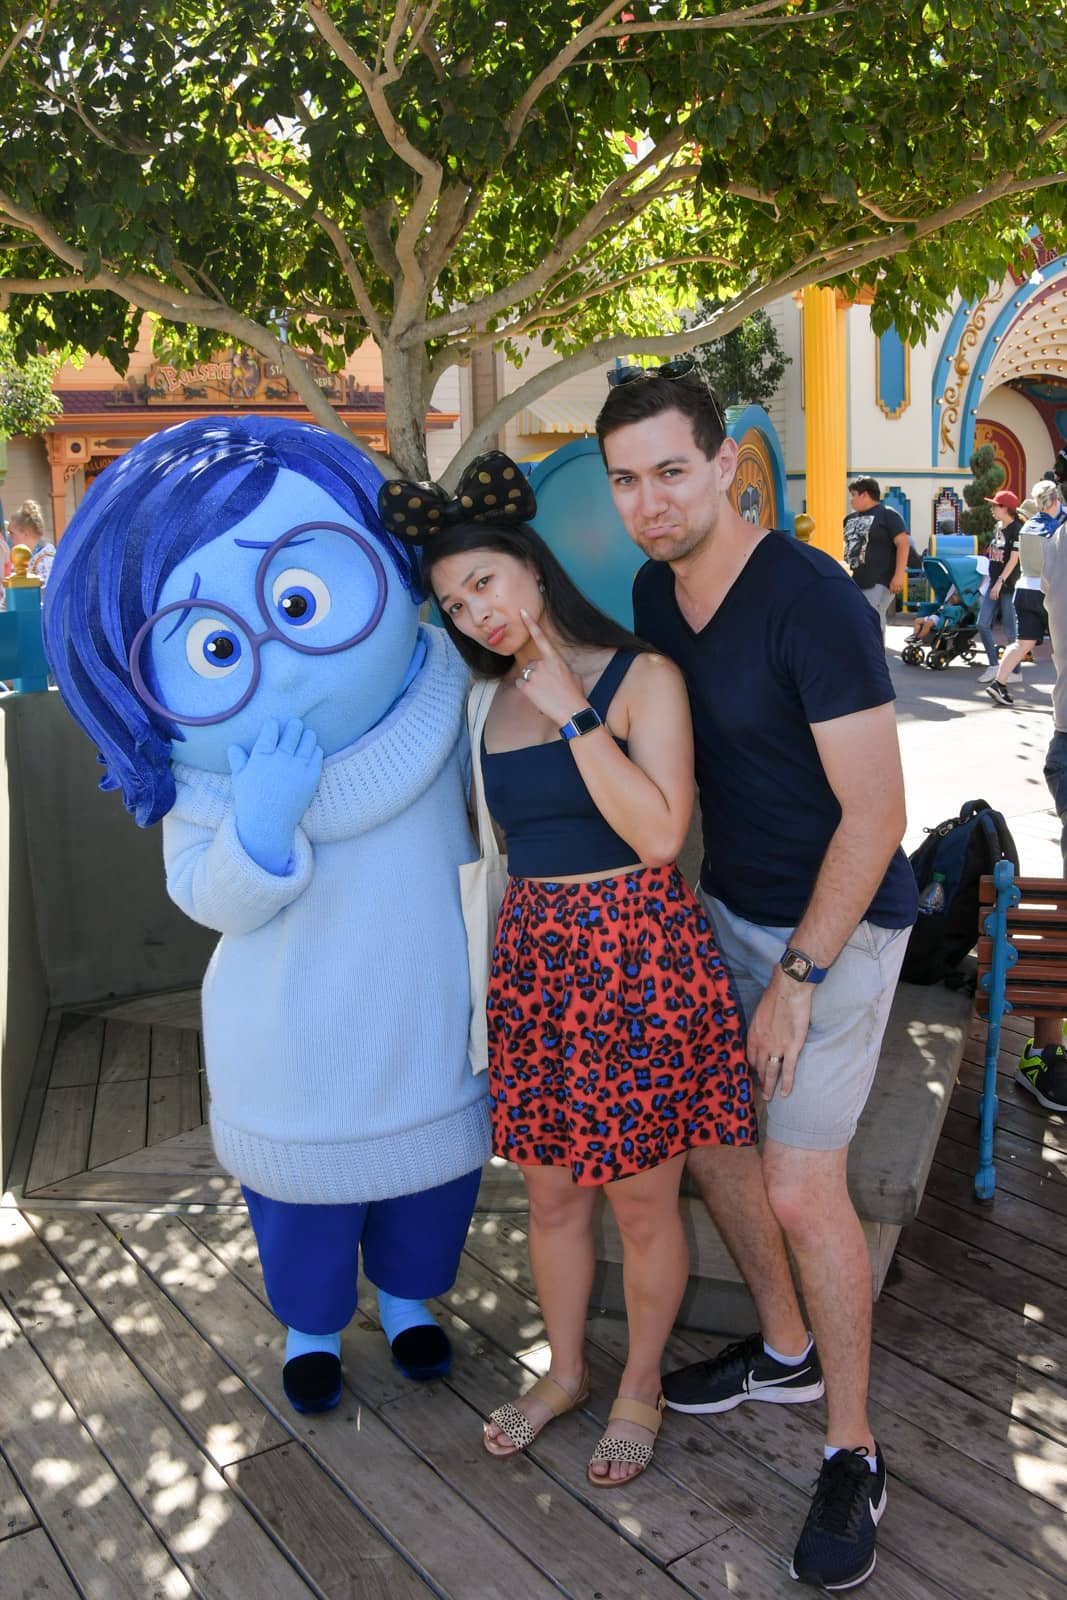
<point x="947" y="624"/>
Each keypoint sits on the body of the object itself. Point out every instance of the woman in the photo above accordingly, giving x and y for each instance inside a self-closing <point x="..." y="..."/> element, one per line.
<point x="614" y="1044"/>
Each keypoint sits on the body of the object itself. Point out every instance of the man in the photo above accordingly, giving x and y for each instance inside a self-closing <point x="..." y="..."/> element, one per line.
<point x="1042" y="1068"/>
<point x="803" y="810"/>
<point x="876" y="546"/>
<point x="1003" y="572"/>
<point x="1030" y="613"/>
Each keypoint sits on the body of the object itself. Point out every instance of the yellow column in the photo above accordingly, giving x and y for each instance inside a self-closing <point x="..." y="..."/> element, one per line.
<point x="826" y="415"/>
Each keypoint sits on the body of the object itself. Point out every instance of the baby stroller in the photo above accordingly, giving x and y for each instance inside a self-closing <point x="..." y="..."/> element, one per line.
<point x="957" y="631"/>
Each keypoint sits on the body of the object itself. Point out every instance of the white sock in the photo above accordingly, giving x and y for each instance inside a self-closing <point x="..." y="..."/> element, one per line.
<point x="789" y="1361"/>
<point x="832" y="1449"/>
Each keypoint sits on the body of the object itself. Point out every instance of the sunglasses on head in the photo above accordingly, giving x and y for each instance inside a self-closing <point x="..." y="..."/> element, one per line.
<point x="683" y="369"/>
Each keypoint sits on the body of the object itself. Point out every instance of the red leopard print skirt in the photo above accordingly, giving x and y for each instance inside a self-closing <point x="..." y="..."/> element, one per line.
<point x="614" y="1036"/>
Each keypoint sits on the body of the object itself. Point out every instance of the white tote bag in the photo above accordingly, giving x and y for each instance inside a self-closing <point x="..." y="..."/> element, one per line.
<point x="481" y="882"/>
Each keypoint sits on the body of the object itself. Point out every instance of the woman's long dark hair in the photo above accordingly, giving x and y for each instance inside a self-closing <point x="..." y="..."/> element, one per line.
<point x="575" y="619"/>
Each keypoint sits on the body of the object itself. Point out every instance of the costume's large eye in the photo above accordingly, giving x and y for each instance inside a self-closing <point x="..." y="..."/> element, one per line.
<point x="213" y="648"/>
<point x="300" y="598"/>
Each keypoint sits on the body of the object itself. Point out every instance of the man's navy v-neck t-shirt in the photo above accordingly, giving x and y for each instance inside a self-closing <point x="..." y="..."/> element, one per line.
<point x="793" y="643"/>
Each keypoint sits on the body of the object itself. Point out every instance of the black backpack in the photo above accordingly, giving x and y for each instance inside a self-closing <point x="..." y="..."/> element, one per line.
<point x="963" y="850"/>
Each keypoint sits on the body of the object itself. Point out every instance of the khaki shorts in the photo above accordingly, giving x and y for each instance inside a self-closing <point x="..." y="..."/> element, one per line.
<point x="849" y="1012"/>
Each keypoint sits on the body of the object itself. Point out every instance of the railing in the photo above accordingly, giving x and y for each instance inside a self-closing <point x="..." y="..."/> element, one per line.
<point x="22" y="657"/>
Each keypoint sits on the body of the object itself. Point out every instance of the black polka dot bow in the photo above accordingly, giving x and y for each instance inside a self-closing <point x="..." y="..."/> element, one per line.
<point x="493" y="489"/>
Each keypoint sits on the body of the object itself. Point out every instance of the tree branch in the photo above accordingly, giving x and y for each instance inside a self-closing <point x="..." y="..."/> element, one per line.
<point x="557" y="66"/>
<point x="20" y="34"/>
<point x="531" y="282"/>
<point x="247" y="169"/>
<point x="745" y="17"/>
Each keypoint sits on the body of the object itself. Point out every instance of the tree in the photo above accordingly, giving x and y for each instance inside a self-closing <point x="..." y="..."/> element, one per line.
<point x="453" y="177"/>
<point x="745" y="366"/>
<point x="988" y="478"/>
<point x="27" y="403"/>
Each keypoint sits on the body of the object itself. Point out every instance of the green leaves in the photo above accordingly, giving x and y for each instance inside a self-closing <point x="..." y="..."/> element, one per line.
<point x="192" y="148"/>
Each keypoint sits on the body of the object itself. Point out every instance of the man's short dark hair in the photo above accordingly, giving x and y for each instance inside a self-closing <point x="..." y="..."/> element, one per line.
<point x="868" y="486"/>
<point x="651" y="397"/>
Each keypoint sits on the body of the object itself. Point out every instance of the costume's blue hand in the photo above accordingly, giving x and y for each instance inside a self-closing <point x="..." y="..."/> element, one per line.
<point x="273" y="785"/>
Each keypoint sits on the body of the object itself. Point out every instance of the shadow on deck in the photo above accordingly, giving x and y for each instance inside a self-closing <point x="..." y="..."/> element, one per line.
<point x="146" y="1448"/>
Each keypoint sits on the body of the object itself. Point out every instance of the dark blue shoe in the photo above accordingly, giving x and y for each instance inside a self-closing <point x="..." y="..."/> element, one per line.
<point x="312" y="1382"/>
<point x="423" y="1352"/>
<point x="836" y="1549"/>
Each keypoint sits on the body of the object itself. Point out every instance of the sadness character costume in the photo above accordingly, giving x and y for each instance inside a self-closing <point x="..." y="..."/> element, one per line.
<point x="231" y="625"/>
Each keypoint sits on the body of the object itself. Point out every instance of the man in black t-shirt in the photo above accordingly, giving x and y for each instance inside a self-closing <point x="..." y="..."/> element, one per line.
<point x="810" y="899"/>
<point x="1003" y="571"/>
<point x="876" y="546"/>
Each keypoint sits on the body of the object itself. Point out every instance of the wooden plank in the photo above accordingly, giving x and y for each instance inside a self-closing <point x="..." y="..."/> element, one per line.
<point x="1049" y="1192"/>
<point x="178" y="1008"/>
<point x="1016" y="1113"/>
<point x="446" y="1429"/>
<point x="79" y="1047"/>
<point x="735" y="1567"/>
<point x="143" y="1443"/>
<point x="921" y="1543"/>
<point x="1006" y="1211"/>
<point x="173" y="1051"/>
<point x="126" y="1047"/>
<point x="432" y="1525"/>
<point x="912" y="1452"/>
<point x="62" y="1145"/>
<point x="982" y="1232"/>
<point x="121" y="1188"/>
<point x="34" y="1104"/>
<point x="173" y="1106"/>
<point x="1027" y="1460"/>
<point x="16" y="1513"/>
<point x="1021" y="1338"/>
<point x="84" y="1506"/>
<point x="31" y="1570"/>
<point x="226" y="1420"/>
<point x="322" y="1530"/>
<point x="187" y="1154"/>
<point x="120" y="1120"/>
<point x="1013" y="1388"/>
<point x="1045" y="1161"/>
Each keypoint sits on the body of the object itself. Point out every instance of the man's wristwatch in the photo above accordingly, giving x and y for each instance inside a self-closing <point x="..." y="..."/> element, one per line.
<point x="795" y="964"/>
<point x="583" y="721"/>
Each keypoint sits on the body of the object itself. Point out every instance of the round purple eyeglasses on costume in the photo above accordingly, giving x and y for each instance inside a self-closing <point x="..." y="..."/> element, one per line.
<point x="256" y="641"/>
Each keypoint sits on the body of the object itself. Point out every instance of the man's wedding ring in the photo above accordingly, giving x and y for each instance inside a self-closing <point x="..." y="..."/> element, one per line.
<point x="775" y="1061"/>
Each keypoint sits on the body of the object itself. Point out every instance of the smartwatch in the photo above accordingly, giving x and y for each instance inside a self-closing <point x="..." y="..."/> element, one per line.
<point x="583" y="721"/>
<point x="801" y="967"/>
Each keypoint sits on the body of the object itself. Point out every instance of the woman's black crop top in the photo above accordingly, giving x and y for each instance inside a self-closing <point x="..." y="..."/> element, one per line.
<point x="538" y="798"/>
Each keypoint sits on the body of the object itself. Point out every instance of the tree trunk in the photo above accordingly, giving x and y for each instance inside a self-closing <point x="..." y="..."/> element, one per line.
<point x="404" y="373"/>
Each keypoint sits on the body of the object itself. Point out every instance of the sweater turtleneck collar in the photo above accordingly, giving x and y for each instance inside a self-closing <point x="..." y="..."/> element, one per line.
<point x="376" y="778"/>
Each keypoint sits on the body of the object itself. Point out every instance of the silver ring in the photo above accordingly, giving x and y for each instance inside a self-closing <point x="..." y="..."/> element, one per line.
<point x="775" y="1061"/>
<point x="525" y="673"/>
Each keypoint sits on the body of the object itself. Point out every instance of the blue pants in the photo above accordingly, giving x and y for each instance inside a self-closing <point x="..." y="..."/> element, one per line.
<point x="1056" y="778"/>
<point x="310" y="1254"/>
<point x="1005" y="605"/>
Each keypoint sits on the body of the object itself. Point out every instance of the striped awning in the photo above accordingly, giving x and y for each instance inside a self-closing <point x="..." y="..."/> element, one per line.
<point x="553" y="414"/>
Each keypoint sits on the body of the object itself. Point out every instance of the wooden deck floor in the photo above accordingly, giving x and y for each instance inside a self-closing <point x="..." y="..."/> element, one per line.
<point x="147" y="1453"/>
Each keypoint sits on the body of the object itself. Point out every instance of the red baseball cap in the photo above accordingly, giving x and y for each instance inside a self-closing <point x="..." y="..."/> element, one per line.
<point x="1005" y="498"/>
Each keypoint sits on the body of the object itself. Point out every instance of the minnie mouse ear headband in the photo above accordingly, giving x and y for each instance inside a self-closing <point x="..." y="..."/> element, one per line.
<point x="493" y="489"/>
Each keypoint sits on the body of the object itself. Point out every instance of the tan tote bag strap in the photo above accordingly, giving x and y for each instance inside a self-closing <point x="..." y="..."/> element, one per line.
<point x="478" y="702"/>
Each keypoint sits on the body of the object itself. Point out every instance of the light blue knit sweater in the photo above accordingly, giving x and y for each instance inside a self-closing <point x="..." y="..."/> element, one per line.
<point x="336" y="1004"/>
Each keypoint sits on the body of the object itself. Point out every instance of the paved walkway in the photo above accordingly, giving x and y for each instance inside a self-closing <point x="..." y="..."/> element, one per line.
<point x="957" y="745"/>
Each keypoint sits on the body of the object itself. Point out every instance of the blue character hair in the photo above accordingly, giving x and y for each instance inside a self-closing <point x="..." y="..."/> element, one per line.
<point x="167" y="497"/>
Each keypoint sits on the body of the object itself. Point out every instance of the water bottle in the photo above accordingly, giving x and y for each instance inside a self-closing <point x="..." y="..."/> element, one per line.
<point x="933" y="896"/>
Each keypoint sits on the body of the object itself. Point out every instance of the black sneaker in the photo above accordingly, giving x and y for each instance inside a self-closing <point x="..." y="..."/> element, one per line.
<point x="1044" y="1073"/>
<point x="996" y="691"/>
<point x="836" y="1549"/>
<point x="743" y="1371"/>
